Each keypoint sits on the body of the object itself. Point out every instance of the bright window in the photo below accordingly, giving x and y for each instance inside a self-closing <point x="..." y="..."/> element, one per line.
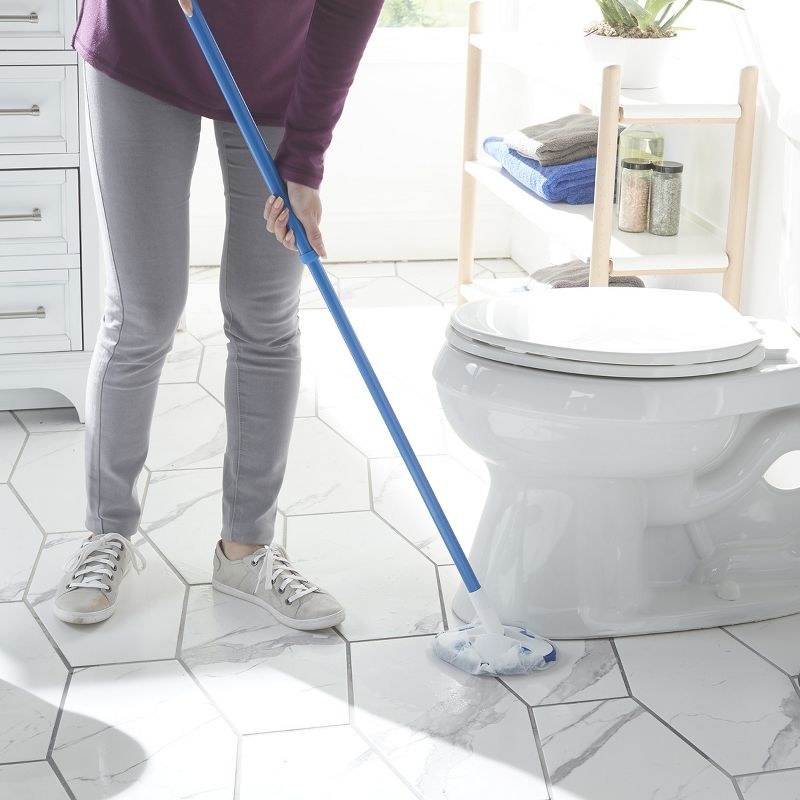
<point x="424" y="14"/>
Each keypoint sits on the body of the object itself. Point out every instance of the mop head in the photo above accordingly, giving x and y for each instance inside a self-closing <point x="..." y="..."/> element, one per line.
<point x="472" y="649"/>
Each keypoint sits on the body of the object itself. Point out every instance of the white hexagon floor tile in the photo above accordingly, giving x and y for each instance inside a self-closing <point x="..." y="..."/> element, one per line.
<point x="20" y="541"/>
<point x="50" y="479"/>
<point x="345" y="767"/>
<point x="363" y="269"/>
<point x="310" y="296"/>
<point x="32" y="781"/>
<point x="263" y="676"/>
<point x="385" y="585"/>
<point x="145" y="624"/>
<point x="188" y="429"/>
<point x="449" y="735"/>
<point x="735" y="707"/>
<point x="439" y="279"/>
<point x="182" y="516"/>
<point x="183" y="360"/>
<point x="324" y="473"/>
<point x="616" y="750"/>
<point x="204" y="313"/>
<point x="461" y="493"/>
<point x="32" y="678"/>
<point x="771" y="786"/>
<point x="12" y="437"/>
<point x="144" y="731"/>
<point x="778" y="640"/>
<point x="50" y="420"/>
<point x="349" y="409"/>
<point x="381" y="292"/>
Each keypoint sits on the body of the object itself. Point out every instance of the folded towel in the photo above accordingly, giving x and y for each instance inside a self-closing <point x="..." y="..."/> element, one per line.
<point x="573" y="183"/>
<point x="561" y="141"/>
<point x="574" y="274"/>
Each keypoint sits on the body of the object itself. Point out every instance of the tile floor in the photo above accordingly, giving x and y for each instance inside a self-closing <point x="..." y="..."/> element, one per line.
<point x="188" y="694"/>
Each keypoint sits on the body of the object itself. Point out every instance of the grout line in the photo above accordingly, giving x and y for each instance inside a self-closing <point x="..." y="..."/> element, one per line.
<point x="326" y="726"/>
<point x="442" y="605"/>
<point x="770" y="772"/>
<point x="180" y="660"/>
<point x="62" y="780"/>
<point x="50" y="638"/>
<point x="753" y="650"/>
<point x="237" y="773"/>
<point x="548" y="783"/>
<point x="134" y="661"/>
<point x="25" y="439"/>
<point x="59" y="713"/>
<point x="621" y="666"/>
<point x="182" y="623"/>
<point x="737" y="789"/>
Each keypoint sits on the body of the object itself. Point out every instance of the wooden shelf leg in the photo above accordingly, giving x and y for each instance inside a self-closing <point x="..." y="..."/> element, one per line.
<point x="740" y="186"/>
<point x="603" y="215"/>
<point x="466" y="243"/>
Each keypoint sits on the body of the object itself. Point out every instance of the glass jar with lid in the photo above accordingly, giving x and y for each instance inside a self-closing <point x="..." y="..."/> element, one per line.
<point x="639" y="141"/>
<point x="634" y="194"/>
<point x="665" y="197"/>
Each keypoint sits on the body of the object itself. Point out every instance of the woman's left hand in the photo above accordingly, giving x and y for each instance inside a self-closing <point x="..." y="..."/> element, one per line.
<point x="307" y="207"/>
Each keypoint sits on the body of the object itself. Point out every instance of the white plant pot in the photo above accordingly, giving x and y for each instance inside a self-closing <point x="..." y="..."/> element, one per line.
<point x="642" y="60"/>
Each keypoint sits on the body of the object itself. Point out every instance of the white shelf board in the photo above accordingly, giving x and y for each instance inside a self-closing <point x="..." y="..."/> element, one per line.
<point x="566" y="67"/>
<point x="696" y="248"/>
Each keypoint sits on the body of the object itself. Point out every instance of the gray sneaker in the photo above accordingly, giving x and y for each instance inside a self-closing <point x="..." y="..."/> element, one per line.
<point x="89" y="589"/>
<point x="267" y="579"/>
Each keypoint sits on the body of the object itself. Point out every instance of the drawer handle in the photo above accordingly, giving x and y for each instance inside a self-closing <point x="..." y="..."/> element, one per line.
<point x="40" y="313"/>
<point x="34" y="216"/>
<point x="33" y="111"/>
<point x="33" y="18"/>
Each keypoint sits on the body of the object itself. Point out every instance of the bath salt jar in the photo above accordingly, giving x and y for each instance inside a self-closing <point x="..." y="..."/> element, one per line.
<point x="634" y="194"/>
<point x="665" y="198"/>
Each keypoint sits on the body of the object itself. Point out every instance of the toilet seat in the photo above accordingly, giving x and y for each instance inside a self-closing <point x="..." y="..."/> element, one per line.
<point x="619" y="332"/>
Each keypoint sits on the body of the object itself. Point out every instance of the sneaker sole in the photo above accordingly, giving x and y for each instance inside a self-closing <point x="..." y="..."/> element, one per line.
<point x="300" y="625"/>
<point x="83" y="617"/>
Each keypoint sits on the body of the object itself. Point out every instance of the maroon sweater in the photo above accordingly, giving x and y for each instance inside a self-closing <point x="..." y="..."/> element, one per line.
<point x="294" y="61"/>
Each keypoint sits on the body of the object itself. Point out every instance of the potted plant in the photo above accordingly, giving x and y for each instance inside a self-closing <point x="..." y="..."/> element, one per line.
<point x="638" y="36"/>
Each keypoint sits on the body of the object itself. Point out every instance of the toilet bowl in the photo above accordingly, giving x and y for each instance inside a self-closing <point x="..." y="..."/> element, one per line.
<point x="627" y="433"/>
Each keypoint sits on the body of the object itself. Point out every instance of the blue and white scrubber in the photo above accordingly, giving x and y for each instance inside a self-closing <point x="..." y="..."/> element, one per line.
<point x="486" y="649"/>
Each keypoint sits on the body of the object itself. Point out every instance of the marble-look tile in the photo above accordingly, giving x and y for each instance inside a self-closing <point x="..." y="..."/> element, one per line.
<point x="771" y="786"/>
<point x="616" y="750"/>
<point x="438" y="279"/>
<point x="50" y="420"/>
<point x="205" y="274"/>
<point x="204" y="314"/>
<point x="386" y="586"/>
<point x="212" y="378"/>
<point x="585" y="670"/>
<point x="32" y="681"/>
<point x="262" y="675"/>
<point x="183" y="360"/>
<point x="345" y="767"/>
<point x="143" y="731"/>
<point x="183" y="518"/>
<point x="188" y="429"/>
<point x="32" y="781"/>
<point x="50" y="479"/>
<point x="324" y="472"/>
<point x="448" y="734"/>
<point x="310" y="296"/>
<point x="381" y="292"/>
<point x="144" y="625"/>
<point x="20" y="540"/>
<point x="776" y="639"/>
<point x="462" y="495"/>
<point x="349" y="409"/>
<point x="12" y="437"/>
<point x="364" y="269"/>
<point x="500" y="266"/>
<point x="729" y="702"/>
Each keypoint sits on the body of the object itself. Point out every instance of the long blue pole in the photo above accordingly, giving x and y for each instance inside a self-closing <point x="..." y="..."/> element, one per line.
<point x="266" y="165"/>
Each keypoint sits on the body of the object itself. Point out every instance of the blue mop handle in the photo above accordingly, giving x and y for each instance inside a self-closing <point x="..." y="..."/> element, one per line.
<point x="266" y="165"/>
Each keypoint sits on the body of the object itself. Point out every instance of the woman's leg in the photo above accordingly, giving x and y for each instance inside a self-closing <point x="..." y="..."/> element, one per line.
<point x="144" y="153"/>
<point x="259" y="291"/>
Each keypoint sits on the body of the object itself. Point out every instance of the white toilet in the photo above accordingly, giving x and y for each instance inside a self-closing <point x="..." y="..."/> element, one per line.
<point x="627" y="433"/>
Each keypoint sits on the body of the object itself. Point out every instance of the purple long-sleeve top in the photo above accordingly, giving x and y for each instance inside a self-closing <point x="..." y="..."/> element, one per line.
<point x="294" y="61"/>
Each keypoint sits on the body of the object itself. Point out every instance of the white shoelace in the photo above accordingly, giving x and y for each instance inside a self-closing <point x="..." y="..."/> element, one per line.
<point x="96" y="561"/>
<point x="274" y="565"/>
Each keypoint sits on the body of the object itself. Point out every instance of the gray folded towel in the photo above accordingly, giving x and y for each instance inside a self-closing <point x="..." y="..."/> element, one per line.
<point x="560" y="141"/>
<point x="574" y="274"/>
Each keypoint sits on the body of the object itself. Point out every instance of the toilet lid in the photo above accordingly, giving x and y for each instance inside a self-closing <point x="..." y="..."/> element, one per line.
<point x="615" y="326"/>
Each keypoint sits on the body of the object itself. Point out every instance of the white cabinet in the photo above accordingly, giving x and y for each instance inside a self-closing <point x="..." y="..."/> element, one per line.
<point x="49" y="253"/>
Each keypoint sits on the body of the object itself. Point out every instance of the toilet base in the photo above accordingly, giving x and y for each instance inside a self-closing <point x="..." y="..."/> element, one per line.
<point x="671" y="609"/>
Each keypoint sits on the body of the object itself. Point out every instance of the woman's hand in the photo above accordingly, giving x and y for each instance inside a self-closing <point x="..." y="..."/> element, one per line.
<point x="307" y="207"/>
<point x="186" y="5"/>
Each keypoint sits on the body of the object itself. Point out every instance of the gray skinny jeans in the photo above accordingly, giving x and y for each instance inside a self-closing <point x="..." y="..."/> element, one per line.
<point x="144" y="153"/>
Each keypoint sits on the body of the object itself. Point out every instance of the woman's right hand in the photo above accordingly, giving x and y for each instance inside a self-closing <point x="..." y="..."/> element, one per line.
<point x="186" y="5"/>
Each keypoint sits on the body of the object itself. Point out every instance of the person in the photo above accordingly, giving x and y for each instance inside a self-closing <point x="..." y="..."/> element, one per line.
<point x="147" y="87"/>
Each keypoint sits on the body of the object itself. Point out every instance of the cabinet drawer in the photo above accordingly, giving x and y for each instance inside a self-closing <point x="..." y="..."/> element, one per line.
<point x="40" y="311"/>
<point x="36" y="24"/>
<point x="38" y="110"/>
<point x="39" y="213"/>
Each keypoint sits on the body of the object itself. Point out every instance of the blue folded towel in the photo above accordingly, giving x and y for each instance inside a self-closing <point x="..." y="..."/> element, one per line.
<point x="573" y="183"/>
